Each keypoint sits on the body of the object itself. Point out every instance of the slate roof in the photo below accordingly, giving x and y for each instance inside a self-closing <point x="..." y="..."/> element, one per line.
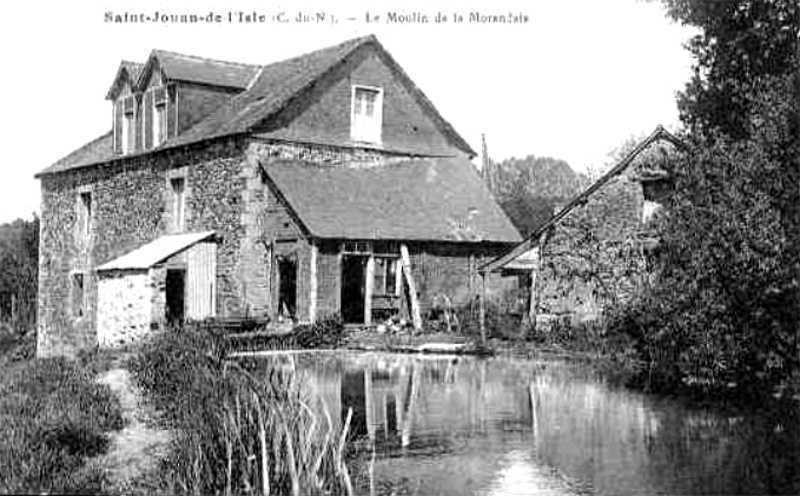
<point x="154" y="252"/>
<point x="520" y="251"/>
<point x="180" y="67"/>
<point x="269" y="90"/>
<point x="133" y="69"/>
<point x="441" y="199"/>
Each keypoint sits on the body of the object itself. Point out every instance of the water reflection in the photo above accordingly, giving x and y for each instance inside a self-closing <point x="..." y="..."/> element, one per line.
<point x="502" y="426"/>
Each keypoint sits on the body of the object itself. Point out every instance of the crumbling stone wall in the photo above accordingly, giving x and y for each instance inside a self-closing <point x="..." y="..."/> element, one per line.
<point x="594" y="256"/>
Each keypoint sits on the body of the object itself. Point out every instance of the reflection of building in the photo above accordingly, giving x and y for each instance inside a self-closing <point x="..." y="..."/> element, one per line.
<point x="595" y="249"/>
<point x="408" y="402"/>
<point x="320" y="185"/>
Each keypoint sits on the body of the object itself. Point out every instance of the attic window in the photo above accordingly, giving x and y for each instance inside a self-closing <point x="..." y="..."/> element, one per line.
<point x="160" y="124"/>
<point x="128" y="125"/>
<point x="160" y="113"/>
<point x="366" y="117"/>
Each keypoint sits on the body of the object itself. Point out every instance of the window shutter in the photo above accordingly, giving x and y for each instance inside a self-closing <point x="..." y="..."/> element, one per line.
<point x="139" y="117"/>
<point x="118" y="115"/>
<point x="148" y="120"/>
<point x="172" y="111"/>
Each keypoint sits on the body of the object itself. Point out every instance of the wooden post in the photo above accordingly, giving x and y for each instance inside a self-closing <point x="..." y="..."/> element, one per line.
<point x="482" y="301"/>
<point x="405" y="260"/>
<point x="370" y="276"/>
<point x="533" y="300"/>
<point x="368" y="404"/>
<point x="312" y="287"/>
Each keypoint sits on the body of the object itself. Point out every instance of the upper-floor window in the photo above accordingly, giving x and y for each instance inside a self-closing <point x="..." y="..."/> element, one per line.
<point x="178" y="186"/>
<point x="85" y="214"/>
<point x="367" y="114"/>
<point x="128" y="125"/>
<point x="78" y="295"/>
<point x="159" y="115"/>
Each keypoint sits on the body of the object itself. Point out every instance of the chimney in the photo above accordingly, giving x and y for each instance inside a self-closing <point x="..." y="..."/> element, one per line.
<point x="487" y="168"/>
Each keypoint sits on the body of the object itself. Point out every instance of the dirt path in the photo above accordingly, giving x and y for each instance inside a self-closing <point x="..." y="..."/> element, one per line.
<point x="134" y="451"/>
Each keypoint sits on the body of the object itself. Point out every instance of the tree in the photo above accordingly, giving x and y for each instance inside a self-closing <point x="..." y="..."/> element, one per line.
<point x="724" y="310"/>
<point x="19" y="262"/>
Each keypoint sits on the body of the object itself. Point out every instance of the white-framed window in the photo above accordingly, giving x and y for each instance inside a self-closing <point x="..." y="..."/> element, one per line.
<point x="128" y="125"/>
<point x="366" y="116"/>
<point x="85" y="214"/>
<point x="386" y="281"/>
<point x="178" y="186"/>
<point x="159" y="116"/>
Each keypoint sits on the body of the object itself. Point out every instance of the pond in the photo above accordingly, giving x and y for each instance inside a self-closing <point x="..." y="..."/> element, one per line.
<point x="492" y="426"/>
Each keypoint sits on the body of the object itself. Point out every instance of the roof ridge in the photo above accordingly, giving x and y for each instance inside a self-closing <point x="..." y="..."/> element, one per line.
<point x="206" y="59"/>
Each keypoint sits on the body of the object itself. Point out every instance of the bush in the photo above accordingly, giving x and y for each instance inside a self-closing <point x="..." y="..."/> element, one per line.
<point x="325" y="333"/>
<point x="53" y="416"/>
<point x="237" y="431"/>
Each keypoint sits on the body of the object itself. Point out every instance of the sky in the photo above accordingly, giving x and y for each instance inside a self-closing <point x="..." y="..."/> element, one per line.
<point x="574" y="82"/>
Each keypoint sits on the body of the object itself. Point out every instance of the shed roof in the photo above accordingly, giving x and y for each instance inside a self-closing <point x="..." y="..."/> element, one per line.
<point x="440" y="199"/>
<point x="521" y="250"/>
<point x="267" y="91"/>
<point x="155" y="251"/>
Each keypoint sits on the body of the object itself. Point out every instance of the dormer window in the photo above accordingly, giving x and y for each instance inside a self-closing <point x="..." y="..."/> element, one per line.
<point x="129" y="125"/>
<point x="159" y="116"/>
<point x="367" y="114"/>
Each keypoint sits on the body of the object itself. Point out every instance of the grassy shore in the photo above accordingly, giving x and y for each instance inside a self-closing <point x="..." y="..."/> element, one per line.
<point x="238" y="430"/>
<point x="53" y="418"/>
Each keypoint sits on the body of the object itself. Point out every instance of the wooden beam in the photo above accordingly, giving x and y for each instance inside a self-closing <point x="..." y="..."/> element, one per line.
<point x="482" y="301"/>
<point x="405" y="261"/>
<point x="368" y="288"/>
<point x="312" y="289"/>
<point x="533" y="298"/>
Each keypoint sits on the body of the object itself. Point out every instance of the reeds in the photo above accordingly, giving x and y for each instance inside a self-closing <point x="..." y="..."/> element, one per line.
<point x="241" y="430"/>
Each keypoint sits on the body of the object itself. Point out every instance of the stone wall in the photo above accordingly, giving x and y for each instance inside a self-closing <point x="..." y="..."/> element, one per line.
<point x="594" y="256"/>
<point x="124" y="307"/>
<point x="130" y="207"/>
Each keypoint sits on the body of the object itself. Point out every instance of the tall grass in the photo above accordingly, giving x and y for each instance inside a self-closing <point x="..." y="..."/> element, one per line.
<point x="53" y="416"/>
<point x="238" y="430"/>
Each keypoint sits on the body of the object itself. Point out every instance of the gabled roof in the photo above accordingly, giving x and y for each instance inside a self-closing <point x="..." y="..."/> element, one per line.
<point x="131" y="70"/>
<point x="520" y="250"/>
<point x="423" y="200"/>
<point x="269" y="91"/>
<point x="181" y="67"/>
<point x="156" y="251"/>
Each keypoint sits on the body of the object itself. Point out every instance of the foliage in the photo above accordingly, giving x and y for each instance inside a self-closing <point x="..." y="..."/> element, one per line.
<point x="722" y="313"/>
<point x="723" y="310"/>
<point x="53" y="416"/>
<point x="741" y="47"/>
<point x="324" y="333"/>
<point x="239" y="430"/>
<point x="19" y="266"/>
<point x="529" y="189"/>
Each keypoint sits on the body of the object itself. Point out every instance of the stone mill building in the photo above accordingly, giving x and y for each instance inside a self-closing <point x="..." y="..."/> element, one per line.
<point x="326" y="184"/>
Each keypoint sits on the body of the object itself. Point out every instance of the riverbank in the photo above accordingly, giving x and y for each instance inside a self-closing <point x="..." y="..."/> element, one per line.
<point x="54" y="418"/>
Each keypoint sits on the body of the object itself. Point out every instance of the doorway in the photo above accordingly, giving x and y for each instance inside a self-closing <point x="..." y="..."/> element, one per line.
<point x="176" y="301"/>
<point x="287" y="288"/>
<point x="353" y="272"/>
